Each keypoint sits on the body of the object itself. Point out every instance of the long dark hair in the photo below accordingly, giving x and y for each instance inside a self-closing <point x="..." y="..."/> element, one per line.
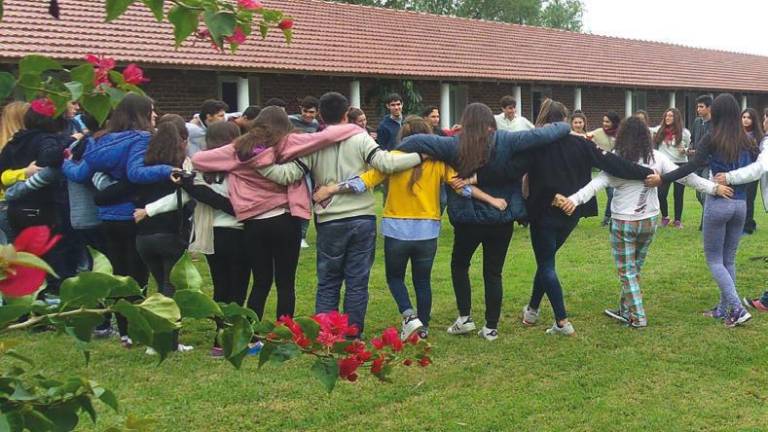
<point x="134" y="112"/>
<point x="413" y="125"/>
<point x="580" y="114"/>
<point x="728" y="136"/>
<point x="168" y="144"/>
<point x="551" y="111"/>
<point x="633" y="140"/>
<point x="757" y="124"/>
<point x="478" y="126"/>
<point x="269" y="128"/>
<point x="677" y="127"/>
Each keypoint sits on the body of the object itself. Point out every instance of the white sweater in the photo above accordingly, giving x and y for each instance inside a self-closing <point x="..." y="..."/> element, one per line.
<point x="633" y="201"/>
<point x="168" y="203"/>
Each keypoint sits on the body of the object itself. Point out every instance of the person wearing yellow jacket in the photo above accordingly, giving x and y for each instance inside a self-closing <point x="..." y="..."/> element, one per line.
<point x="410" y="225"/>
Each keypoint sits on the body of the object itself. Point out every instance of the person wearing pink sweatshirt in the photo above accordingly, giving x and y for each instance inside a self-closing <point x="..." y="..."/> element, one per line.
<point x="271" y="213"/>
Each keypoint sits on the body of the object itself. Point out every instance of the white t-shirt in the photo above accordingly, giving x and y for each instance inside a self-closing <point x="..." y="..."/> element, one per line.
<point x="633" y="201"/>
<point x="519" y="123"/>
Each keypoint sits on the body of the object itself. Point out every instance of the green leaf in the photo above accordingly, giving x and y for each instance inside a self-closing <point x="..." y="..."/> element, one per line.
<point x="283" y="332"/>
<point x="30" y="85"/>
<point x="116" y="78"/>
<point x="266" y="352"/>
<point x="327" y="371"/>
<point x="75" y="89"/>
<point x="220" y="24"/>
<point x="196" y="304"/>
<point x="107" y="397"/>
<point x="271" y="15"/>
<point x="98" y="105"/>
<point x="151" y="322"/>
<point x="156" y="6"/>
<point x="36" y="64"/>
<point x="7" y="82"/>
<point x="184" y="21"/>
<point x="288" y="35"/>
<point x="125" y="286"/>
<point x="11" y="421"/>
<point x="84" y="74"/>
<point x="263" y="29"/>
<point x="21" y="394"/>
<point x="2" y="12"/>
<point x="26" y="259"/>
<point x="87" y="289"/>
<point x="184" y="275"/>
<point x="285" y="352"/>
<point x="235" y="340"/>
<point x="309" y="326"/>
<point x="162" y="307"/>
<point x="233" y="309"/>
<point x="264" y="327"/>
<point x="10" y="313"/>
<point x="64" y="416"/>
<point x="36" y="421"/>
<point x="17" y="356"/>
<point x="87" y="406"/>
<point x="115" y="8"/>
<point x="81" y="326"/>
<point x="115" y="96"/>
<point x="101" y="263"/>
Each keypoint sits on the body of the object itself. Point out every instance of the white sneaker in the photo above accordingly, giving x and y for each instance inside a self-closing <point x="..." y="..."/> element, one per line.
<point x="150" y="351"/>
<point x="530" y="316"/>
<point x="488" y="334"/>
<point x="463" y="325"/>
<point x="411" y="325"/>
<point x="304" y="244"/>
<point x="566" y="330"/>
<point x="179" y="348"/>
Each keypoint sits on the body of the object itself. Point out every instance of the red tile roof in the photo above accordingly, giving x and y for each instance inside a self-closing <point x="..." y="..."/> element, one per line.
<point x="342" y="39"/>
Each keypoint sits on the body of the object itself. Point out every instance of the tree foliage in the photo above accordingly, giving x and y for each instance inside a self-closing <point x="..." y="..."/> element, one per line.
<point x="563" y="14"/>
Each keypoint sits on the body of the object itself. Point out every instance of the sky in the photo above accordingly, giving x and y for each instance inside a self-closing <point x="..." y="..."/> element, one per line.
<point x="741" y="27"/>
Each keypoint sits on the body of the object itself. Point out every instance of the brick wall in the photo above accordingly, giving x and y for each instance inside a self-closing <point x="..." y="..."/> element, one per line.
<point x="181" y="91"/>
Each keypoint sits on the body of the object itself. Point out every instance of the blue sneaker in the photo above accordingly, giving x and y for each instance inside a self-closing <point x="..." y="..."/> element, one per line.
<point x="737" y="317"/>
<point x="255" y="348"/>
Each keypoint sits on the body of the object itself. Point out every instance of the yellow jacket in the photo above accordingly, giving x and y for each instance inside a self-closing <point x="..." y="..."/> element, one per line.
<point x="10" y="177"/>
<point x="422" y="201"/>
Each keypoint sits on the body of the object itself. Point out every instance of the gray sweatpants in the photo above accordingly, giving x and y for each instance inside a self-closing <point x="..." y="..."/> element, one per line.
<point x="723" y="224"/>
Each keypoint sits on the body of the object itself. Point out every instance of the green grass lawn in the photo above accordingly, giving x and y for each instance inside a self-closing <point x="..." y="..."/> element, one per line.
<point x="684" y="372"/>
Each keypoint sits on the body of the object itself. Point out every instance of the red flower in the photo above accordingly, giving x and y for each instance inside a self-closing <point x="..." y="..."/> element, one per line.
<point x="250" y="4"/>
<point x="298" y="334"/>
<point x="348" y="366"/>
<point x="425" y="361"/>
<point x="43" y="106"/>
<point x="334" y="328"/>
<point x="20" y="278"/>
<point x="408" y="362"/>
<point x="392" y="338"/>
<point x="237" y="38"/>
<point x="285" y="24"/>
<point x="378" y="365"/>
<point x="101" y="65"/>
<point x="377" y="343"/>
<point x="414" y="338"/>
<point x="132" y="74"/>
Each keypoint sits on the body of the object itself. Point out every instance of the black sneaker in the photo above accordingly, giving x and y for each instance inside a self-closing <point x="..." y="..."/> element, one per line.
<point x="617" y="316"/>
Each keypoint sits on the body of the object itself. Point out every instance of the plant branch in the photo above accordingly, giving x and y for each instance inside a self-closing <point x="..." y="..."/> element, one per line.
<point x="39" y="318"/>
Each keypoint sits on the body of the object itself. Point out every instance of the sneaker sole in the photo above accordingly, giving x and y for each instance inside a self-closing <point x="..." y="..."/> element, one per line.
<point x="466" y="330"/>
<point x="617" y="317"/>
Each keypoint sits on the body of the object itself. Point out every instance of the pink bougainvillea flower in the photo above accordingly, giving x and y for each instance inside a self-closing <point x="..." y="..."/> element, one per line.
<point x="101" y="65"/>
<point x="378" y="365"/>
<point x="43" y="106"/>
<point x="22" y="277"/>
<point x="299" y="338"/>
<point x="391" y="338"/>
<point x="425" y="361"/>
<point x="334" y="328"/>
<point x="250" y="4"/>
<point x="285" y="24"/>
<point x="132" y="74"/>
<point x="238" y="37"/>
<point x="348" y="366"/>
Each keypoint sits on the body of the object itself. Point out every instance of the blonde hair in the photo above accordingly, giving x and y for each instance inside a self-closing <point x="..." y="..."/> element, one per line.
<point x="12" y="121"/>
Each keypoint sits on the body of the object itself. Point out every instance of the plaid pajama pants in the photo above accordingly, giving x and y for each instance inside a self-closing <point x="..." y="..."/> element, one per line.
<point x="630" y="241"/>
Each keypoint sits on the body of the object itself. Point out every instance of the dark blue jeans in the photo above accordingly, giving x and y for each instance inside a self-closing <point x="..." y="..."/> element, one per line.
<point x="547" y="236"/>
<point x="345" y="252"/>
<point x="421" y="254"/>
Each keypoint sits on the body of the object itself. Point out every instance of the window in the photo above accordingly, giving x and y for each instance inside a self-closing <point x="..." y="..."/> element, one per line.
<point x="229" y="91"/>
<point x="639" y="100"/>
<point x="459" y="98"/>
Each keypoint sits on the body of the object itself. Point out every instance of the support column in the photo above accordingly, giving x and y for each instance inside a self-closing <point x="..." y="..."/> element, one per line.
<point x="672" y="99"/>
<point x="354" y="93"/>
<point x="628" y="103"/>
<point x="577" y="98"/>
<point x="743" y="102"/>
<point x="445" y="105"/>
<point x="519" y="99"/>
<point x="243" y="94"/>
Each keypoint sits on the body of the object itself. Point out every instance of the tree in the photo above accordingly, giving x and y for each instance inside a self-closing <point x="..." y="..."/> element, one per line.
<point x="563" y="14"/>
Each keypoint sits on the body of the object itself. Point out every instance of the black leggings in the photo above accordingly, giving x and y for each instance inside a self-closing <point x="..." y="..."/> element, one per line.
<point x="273" y="252"/>
<point x="749" y="223"/>
<point x="120" y="243"/>
<point x="495" y="240"/>
<point x="230" y="268"/>
<point x="160" y="252"/>
<point x="679" y="194"/>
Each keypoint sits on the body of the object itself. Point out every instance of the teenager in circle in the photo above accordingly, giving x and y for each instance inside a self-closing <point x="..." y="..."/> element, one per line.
<point x="672" y="140"/>
<point x="752" y="125"/>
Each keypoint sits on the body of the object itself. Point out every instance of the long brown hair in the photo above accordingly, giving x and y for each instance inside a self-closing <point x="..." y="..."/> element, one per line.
<point x="728" y="136"/>
<point x="478" y="127"/>
<point x="757" y="124"/>
<point x="633" y="140"/>
<point x="677" y="127"/>
<point x="551" y="111"/>
<point x="269" y="128"/>
<point x="12" y="121"/>
<point x="413" y="125"/>
<point x="168" y="144"/>
<point x="134" y="112"/>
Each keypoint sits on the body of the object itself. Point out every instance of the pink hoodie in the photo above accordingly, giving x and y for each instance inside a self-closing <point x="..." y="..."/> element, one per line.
<point x="250" y="193"/>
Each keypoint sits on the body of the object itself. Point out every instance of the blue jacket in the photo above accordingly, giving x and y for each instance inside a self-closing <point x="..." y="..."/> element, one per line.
<point x="386" y="134"/>
<point x="121" y="156"/>
<point x="498" y="180"/>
